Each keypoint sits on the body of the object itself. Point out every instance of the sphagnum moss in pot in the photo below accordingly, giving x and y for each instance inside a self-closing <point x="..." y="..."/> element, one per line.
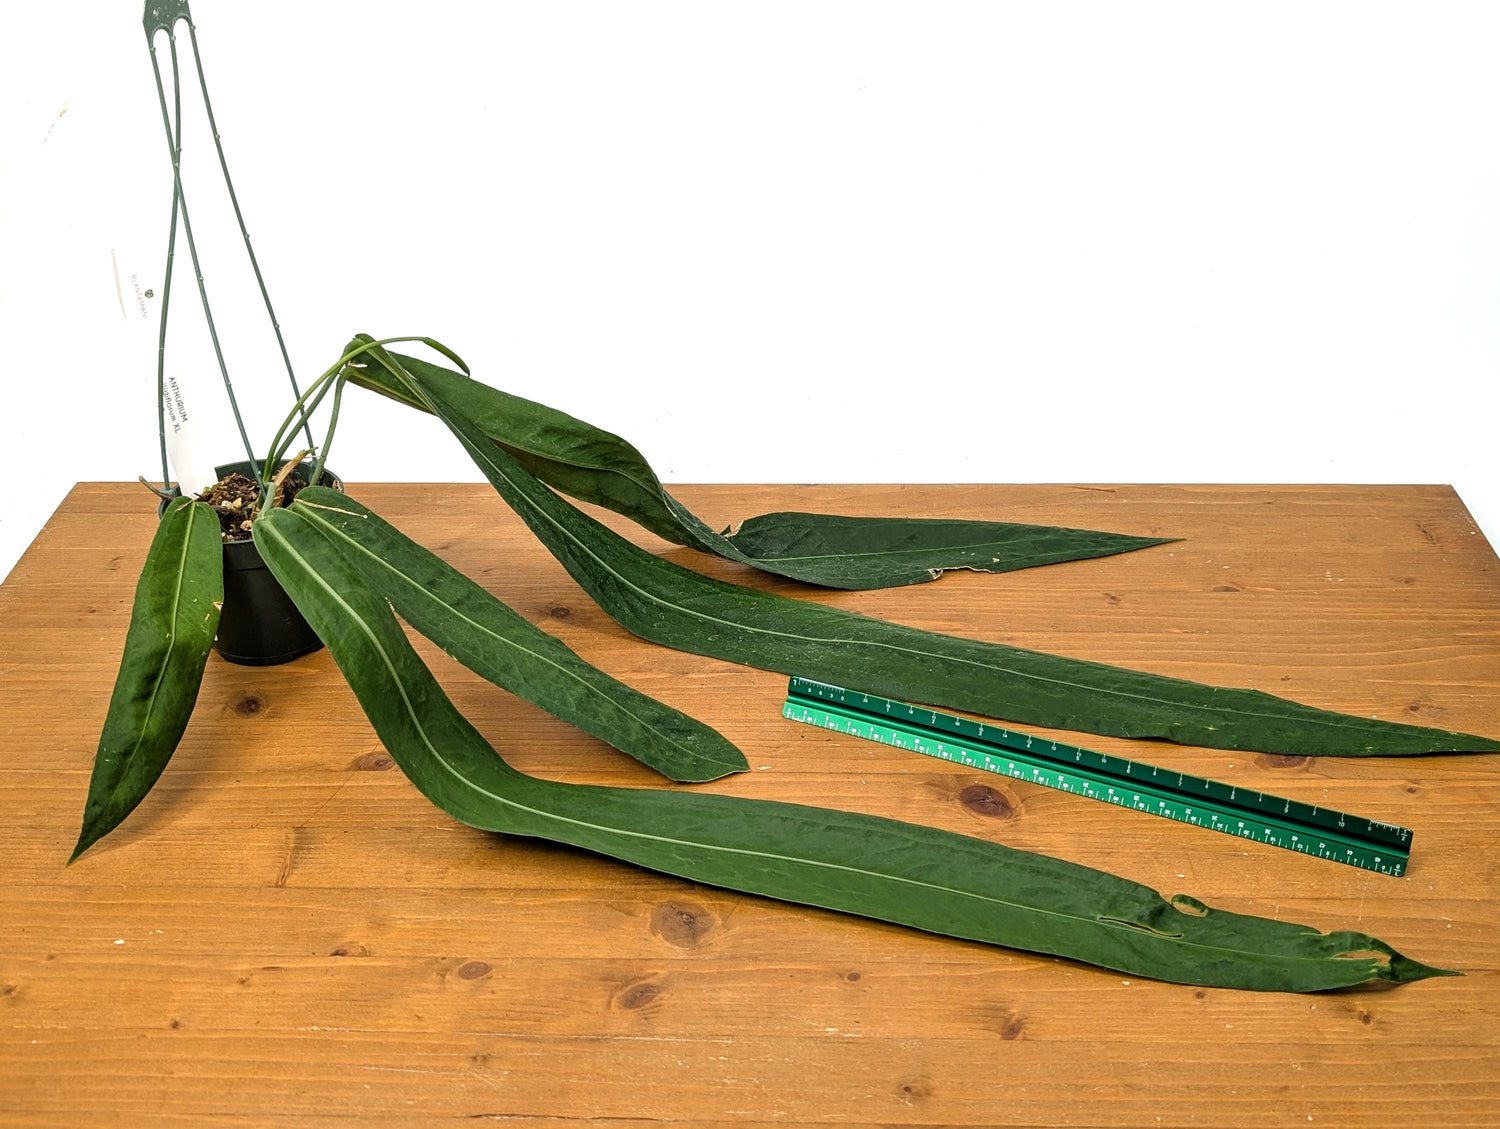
<point x="350" y="573"/>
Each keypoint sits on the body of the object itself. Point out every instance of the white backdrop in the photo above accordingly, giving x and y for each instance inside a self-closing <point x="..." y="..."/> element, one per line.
<point x="792" y="242"/>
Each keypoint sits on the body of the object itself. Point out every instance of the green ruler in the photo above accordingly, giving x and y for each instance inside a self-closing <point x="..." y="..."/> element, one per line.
<point x="1294" y="826"/>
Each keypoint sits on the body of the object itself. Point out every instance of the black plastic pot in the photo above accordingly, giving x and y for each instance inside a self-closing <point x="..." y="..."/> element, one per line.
<point x="259" y="625"/>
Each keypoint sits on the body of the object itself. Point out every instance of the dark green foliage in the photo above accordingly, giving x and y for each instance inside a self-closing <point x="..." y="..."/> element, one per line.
<point x="917" y="876"/>
<point x="172" y="625"/>
<point x="596" y="466"/>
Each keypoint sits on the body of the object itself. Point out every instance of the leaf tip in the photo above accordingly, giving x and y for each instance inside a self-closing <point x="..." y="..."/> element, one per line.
<point x="86" y="839"/>
<point x="97" y="823"/>
<point x="1389" y="965"/>
<point x="1404" y="970"/>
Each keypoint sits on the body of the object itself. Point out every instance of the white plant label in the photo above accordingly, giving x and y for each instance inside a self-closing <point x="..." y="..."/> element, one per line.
<point x="138" y="285"/>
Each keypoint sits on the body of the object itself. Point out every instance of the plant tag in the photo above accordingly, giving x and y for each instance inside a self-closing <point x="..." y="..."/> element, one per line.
<point x="139" y="289"/>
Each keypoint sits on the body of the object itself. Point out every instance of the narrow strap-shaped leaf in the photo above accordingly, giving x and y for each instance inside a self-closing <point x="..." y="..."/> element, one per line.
<point x="668" y="604"/>
<point x="495" y="642"/>
<point x="880" y="868"/>
<point x="888" y="552"/>
<point x="172" y="625"/>
<point x="596" y="466"/>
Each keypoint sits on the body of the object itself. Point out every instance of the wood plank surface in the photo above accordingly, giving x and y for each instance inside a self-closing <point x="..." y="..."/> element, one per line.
<point x="287" y="933"/>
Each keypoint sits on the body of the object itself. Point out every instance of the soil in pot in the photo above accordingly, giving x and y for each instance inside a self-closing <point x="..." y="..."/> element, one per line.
<point x="234" y="498"/>
<point x="258" y="624"/>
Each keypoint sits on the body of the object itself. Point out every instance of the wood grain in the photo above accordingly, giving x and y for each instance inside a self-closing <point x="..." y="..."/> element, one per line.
<point x="286" y="933"/>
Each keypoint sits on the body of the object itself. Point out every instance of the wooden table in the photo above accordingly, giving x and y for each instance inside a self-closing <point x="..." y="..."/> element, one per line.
<point x="286" y="933"/>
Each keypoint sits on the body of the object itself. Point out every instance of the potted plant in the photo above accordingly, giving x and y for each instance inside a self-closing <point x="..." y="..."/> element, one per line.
<point x="350" y="574"/>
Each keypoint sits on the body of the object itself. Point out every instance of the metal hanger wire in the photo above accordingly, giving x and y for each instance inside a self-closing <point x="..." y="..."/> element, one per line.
<point x="164" y="15"/>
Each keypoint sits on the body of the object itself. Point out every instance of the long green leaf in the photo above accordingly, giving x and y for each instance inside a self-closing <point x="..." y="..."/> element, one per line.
<point x="172" y="625"/>
<point x="668" y="604"/>
<point x="490" y="639"/>
<point x="917" y="876"/>
<point x="835" y="552"/>
<point x="889" y="552"/>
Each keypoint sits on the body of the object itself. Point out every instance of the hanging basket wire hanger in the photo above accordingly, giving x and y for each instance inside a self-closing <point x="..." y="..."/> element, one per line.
<point x="165" y="15"/>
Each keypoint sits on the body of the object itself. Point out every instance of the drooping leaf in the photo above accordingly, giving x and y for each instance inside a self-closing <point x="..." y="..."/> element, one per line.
<point x="833" y="551"/>
<point x="172" y="625"/>
<point x="879" y="868"/>
<point x="668" y="604"/>
<point x="495" y="642"/>
<point x="889" y="552"/>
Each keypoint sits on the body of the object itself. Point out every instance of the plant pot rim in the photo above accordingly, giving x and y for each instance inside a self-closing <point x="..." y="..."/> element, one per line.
<point x="258" y="623"/>
<point x="300" y="471"/>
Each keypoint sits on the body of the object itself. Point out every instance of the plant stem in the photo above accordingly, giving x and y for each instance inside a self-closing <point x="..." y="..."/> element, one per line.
<point x="306" y="404"/>
<point x="315" y="392"/>
<point x="333" y="422"/>
<point x="163" y="493"/>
